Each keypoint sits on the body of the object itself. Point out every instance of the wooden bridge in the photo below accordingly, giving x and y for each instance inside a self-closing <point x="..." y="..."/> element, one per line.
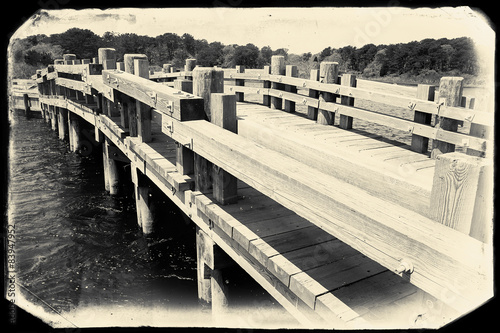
<point x="344" y="227"/>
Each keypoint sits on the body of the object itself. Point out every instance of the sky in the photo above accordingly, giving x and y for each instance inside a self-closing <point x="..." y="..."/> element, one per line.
<point x="297" y="29"/>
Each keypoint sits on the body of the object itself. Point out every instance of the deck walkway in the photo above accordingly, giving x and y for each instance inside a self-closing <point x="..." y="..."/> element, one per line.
<point x="330" y="283"/>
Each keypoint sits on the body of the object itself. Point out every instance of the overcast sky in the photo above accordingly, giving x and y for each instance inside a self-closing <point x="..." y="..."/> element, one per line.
<point x="298" y="29"/>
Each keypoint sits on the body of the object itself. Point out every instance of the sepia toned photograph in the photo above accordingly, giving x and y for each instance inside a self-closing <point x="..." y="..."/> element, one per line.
<point x="249" y="168"/>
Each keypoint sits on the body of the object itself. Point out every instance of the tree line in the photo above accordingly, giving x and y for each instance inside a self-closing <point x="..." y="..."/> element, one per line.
<point x="427" y="56"/>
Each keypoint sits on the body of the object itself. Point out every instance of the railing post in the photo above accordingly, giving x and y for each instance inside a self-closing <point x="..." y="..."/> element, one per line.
<point x="141" y="68"/>
<point x="349" y="80"/>
<point x="277" y="68"/>
<point x="166" y="68"/>
<point x="328" y="73"/>
<point x="107" y="57"/>
<point x="240" y="97"/>
<point x="312" y="112"/>
<point x="450" y="94"/>
<point x="206" y="80"/>
<point x="291" y="70"/>
<point x="189" y="66"/>
<point x="223" y="111"/>
<point x="184" y="85"/>
<point x="129" y="103"/>
<point x="461" y="192"/>
<point x="26" y="101"/>
<point x="419" y="143"/>
<point x="69" y="58"/>
<point x="481" y="131"/>
<point x="266" y="100"/>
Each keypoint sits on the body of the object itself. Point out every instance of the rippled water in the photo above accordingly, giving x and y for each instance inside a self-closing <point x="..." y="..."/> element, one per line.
<point x="78" y="246"/>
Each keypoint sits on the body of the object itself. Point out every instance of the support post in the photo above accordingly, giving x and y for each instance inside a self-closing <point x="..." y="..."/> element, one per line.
<point x="462" y="194"/>
<point x="184" y="85"/>
<point x="328" y="73"/>
<point x="130" y="103"/>
<point x="419" y="143"/>
<point x="141" y="68"/>
<point x="211" y="261"/>
<point x="184" y="155"/>
<point x="349" y="80"/>
<point x="166" y="68"/>
<point x="481" y="131"/>
<point x="266" y="99"/>
<point x="312" y="112"/>
<point x="26" y="101"/>
<point x="189" y="66"/>
<point x="62" y="123"/>
<point x="53" y="117"/>
<point x="450" y="94"/>
<point x="240" y="97"/>
<point x="143" y="200"/>
<point x="224" y="115"/>
<point x="107" y="57"/>
<point x="74" y="132"/>
<point x="111" y="175"/>
<point x="206" y="80"/>
<point x="291" y="70"/>
<point x="69" y="58"/>
<point x="277" y="68"/>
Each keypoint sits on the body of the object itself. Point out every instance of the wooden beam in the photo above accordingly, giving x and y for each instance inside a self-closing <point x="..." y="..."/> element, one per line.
<point x="180" y="105"/>
<point x="441" y="257"/>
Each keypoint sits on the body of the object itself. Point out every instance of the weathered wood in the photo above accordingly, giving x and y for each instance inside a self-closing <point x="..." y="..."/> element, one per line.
<point x="190" y="64"/>
<point x="207" y="80"/>
<point x="312" y="112"/>
<point x="459" y="197"/>
<point x="291" y="70"/>
<point x="111" y="175"/>
<point x="26" y="101"/>
<point x="277" y="68"/>
<point x="68" y="59"/>
<point x="481" y="131"/>
<point x="266" y="99"/>
<point x="74" y="132"/>
<point x="204" y="245"/>
<point x="450" y="94"/>
<point x="128" y="60"/>
<point x="107" y="57"/>
<point x="144" y="212"/>
<point x="182" y="106"/>
<point x="223" y="113"/>
<point x="240" y="97"/>
<point x="386" y="236"/>
<point x="166" y="68"/>
<point x="328" y="73"/>
<point x="62" y="123"/>
<point x="345" y="122"/>
<point x="419" y="143"/>
<point x="184" y="85"/>
<point x="143" y="111"/>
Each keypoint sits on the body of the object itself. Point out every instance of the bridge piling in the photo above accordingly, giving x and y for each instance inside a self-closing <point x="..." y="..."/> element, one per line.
<point x="63" y="123"/>
<point x="74" y="132"/>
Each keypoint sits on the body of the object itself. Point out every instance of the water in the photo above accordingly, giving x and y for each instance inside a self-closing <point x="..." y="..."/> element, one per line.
<point x="78" y="246"/>
<point x="83" y="261"/>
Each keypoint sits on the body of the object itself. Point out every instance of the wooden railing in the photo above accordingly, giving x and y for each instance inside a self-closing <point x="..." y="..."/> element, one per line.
<point x="445" y="260"/>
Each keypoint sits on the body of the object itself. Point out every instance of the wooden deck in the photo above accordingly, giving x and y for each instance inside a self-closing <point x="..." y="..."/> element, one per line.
<point x="336" y="224"/>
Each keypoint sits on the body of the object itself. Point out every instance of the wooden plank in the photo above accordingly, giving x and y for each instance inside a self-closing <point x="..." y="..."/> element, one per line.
<point x="180" y="105"/>
<point x="263" y="248"/>
<point x="318" y="281"/>
<point x="443" y="256"/>
<point x="315" y="255"/>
